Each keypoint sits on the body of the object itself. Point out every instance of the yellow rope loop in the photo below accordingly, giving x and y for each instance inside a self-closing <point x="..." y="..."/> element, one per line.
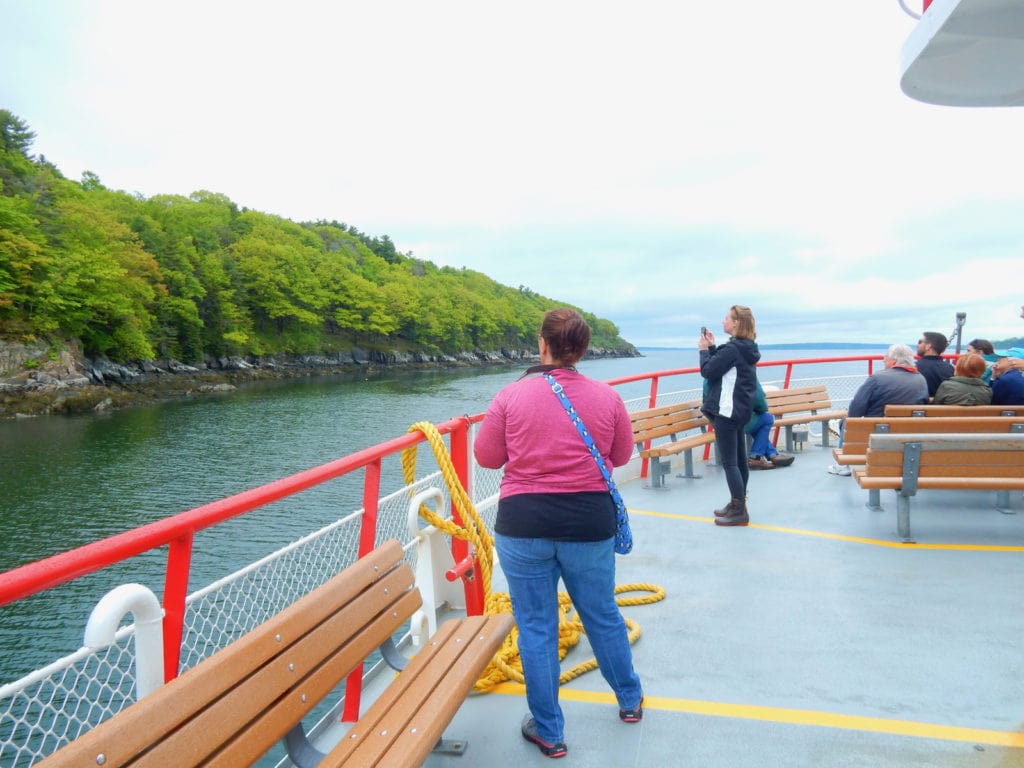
<point x="657" y="593"/>
<point x="506" y="664"/>
<point x="473" y="530"/>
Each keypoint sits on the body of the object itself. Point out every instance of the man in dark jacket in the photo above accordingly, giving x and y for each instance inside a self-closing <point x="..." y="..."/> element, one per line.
<point x="934" y="369"/>
<point x="898" y="382"/>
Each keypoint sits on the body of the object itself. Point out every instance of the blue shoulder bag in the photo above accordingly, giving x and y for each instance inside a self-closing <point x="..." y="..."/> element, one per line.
<point x="623" y="535"/>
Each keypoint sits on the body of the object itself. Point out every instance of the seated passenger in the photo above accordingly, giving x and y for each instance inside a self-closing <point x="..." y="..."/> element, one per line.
<point x="984" y="348"/>
<point x="763" y="455"/>
<point x="934" y="369"/>
<point x="899" y="382"/>
<point x="965" y="386"/>
<point x="1007" y="381"/>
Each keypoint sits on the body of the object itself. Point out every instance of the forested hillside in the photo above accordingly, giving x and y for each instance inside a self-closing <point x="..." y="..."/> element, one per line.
<point x="189" y="278"/>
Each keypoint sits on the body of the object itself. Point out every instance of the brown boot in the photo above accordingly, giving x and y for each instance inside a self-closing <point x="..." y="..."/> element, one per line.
<point x="735" y="513"/>
<point x="724" y="510"/>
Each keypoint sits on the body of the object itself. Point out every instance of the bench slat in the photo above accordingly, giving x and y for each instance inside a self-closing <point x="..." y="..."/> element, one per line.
<point x="291" y="695"/>
<point x="895" y="483"/>
<point x="801" y="405"/>
<point x="171" y="707"/>
<point x="857" y="431"/>
<point x="404" y="724"/>
<point x="931" y="409"/>
<point x="678" y="446"/>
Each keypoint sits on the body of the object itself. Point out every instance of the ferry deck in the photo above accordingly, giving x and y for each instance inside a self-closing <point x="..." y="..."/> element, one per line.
<point x="813" y="637"/>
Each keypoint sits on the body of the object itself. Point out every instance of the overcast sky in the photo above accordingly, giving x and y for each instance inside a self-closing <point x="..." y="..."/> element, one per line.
<point x="652" y="162"/>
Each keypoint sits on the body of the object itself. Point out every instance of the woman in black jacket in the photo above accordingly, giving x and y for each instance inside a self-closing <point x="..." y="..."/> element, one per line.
<point x="732" y="385"/>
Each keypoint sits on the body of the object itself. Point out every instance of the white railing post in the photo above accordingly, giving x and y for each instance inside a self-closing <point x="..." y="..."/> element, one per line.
<point x="101" y="631"/>
<point x="433" y="559"/>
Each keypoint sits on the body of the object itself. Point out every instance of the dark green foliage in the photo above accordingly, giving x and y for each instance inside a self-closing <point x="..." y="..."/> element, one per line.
<point x="196" y="277"/>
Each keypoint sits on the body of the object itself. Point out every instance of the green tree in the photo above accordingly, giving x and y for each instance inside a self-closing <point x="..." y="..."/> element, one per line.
<point x="100" y="286"/>
<point x="275" y="272"/>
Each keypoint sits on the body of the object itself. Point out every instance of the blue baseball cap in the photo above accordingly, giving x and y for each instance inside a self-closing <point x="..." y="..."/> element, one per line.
<point x="1011" y="352"/>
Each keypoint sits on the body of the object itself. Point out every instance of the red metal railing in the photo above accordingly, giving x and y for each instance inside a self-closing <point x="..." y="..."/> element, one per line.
<point x="658" y="377"/>
<point x="177" y="533"/>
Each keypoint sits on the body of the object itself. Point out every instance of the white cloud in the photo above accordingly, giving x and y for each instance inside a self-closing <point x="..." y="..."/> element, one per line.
<point x="652" y="163"/>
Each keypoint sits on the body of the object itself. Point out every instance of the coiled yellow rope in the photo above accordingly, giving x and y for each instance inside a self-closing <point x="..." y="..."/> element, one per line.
<point x="506" y="664"/>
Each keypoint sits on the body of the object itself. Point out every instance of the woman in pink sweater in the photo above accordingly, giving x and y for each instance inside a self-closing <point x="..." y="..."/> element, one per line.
<point x="556" y="519"/>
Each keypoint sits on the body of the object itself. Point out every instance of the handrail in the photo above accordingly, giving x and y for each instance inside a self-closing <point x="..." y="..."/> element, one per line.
<point x="177" y="532"/>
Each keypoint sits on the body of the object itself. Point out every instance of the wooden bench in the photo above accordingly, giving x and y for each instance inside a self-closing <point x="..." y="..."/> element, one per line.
<point x="954" y="410"/>
<point x="858" y="431"/>
<point x="801" y="405"/>
<point x="912" y="461"/>
<point x="232" y="707"/>
<point x="685" y="427"/>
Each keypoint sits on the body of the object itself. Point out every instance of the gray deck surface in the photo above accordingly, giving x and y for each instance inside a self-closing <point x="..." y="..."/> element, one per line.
<point x="811" y="638"/>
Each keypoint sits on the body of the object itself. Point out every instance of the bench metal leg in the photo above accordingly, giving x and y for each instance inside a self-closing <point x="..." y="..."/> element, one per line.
<point x="300" y="751"/>
<point x="789" y="438"/>
<point x="875" y="499"/>
<point x="824" y="434"/>
<point x="903" y="518"/>
<point x="657" y="469"/>
<point x="1003" y="502"/>
<point x="450" y="746"/>
<point x="688" y="465"/>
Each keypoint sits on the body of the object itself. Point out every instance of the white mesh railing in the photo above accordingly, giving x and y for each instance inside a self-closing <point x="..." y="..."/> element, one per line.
<point x="51" y="707"/>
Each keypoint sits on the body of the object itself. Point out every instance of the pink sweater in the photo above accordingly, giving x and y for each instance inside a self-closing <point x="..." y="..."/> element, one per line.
<point x="527" y="431"/>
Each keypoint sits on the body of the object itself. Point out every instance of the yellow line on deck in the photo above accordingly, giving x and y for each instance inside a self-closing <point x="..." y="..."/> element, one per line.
<point x="796" y="717"/>
<point x="840" y="537"/>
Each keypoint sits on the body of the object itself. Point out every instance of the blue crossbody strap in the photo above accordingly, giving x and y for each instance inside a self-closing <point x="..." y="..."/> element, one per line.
<point x="623" y="536"/>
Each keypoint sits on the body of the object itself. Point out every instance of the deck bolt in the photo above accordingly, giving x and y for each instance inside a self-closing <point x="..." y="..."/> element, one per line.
<point x="413" y="730"/>
<point x="384" y="732"/>
<point x="386" y="591"/>
<point x="277" y="638"/>
<point x="291" y="667"/>
<point x="303" y="697"/>
<point x="101" y="759"/>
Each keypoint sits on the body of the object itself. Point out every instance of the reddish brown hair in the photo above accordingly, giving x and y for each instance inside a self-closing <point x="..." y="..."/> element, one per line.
<point x="970" y="365"/>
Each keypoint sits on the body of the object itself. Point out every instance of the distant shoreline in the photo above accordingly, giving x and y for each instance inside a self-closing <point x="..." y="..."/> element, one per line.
<point x="801" y="345"/>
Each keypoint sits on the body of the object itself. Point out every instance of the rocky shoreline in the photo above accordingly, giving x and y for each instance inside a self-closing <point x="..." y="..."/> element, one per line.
<point x="38" y="379"/>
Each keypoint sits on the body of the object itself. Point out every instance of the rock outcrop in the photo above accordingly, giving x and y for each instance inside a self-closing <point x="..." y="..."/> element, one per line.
<point x="38" y="379"/>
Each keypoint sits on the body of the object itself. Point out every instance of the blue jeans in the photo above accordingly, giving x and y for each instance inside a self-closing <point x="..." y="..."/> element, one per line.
<point x="762" y="445"/>
<point x="532" y="568"/>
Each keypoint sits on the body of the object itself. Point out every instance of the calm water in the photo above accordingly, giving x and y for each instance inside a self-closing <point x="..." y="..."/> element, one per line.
<point x="65" y="481"/>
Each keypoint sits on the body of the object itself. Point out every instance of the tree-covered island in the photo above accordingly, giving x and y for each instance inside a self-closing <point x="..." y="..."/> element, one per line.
<point x="110" y="295"/>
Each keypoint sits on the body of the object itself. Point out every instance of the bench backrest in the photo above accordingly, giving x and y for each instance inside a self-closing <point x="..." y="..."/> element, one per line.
<point x="798" y="399"/>
<point x="954" y="410"/>
<point x="947" y="455"/>
<point x="667" y="420"/>
<point x="235" y="705"/>
<point x="858" y="431"/>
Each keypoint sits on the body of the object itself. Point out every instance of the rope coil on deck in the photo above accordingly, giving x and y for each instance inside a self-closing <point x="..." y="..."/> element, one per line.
<point x="506" y="664"/>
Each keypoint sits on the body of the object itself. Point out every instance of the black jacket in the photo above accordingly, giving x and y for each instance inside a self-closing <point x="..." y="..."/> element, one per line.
<point x="732" y="379"/>
<point x="935" y="371"/>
